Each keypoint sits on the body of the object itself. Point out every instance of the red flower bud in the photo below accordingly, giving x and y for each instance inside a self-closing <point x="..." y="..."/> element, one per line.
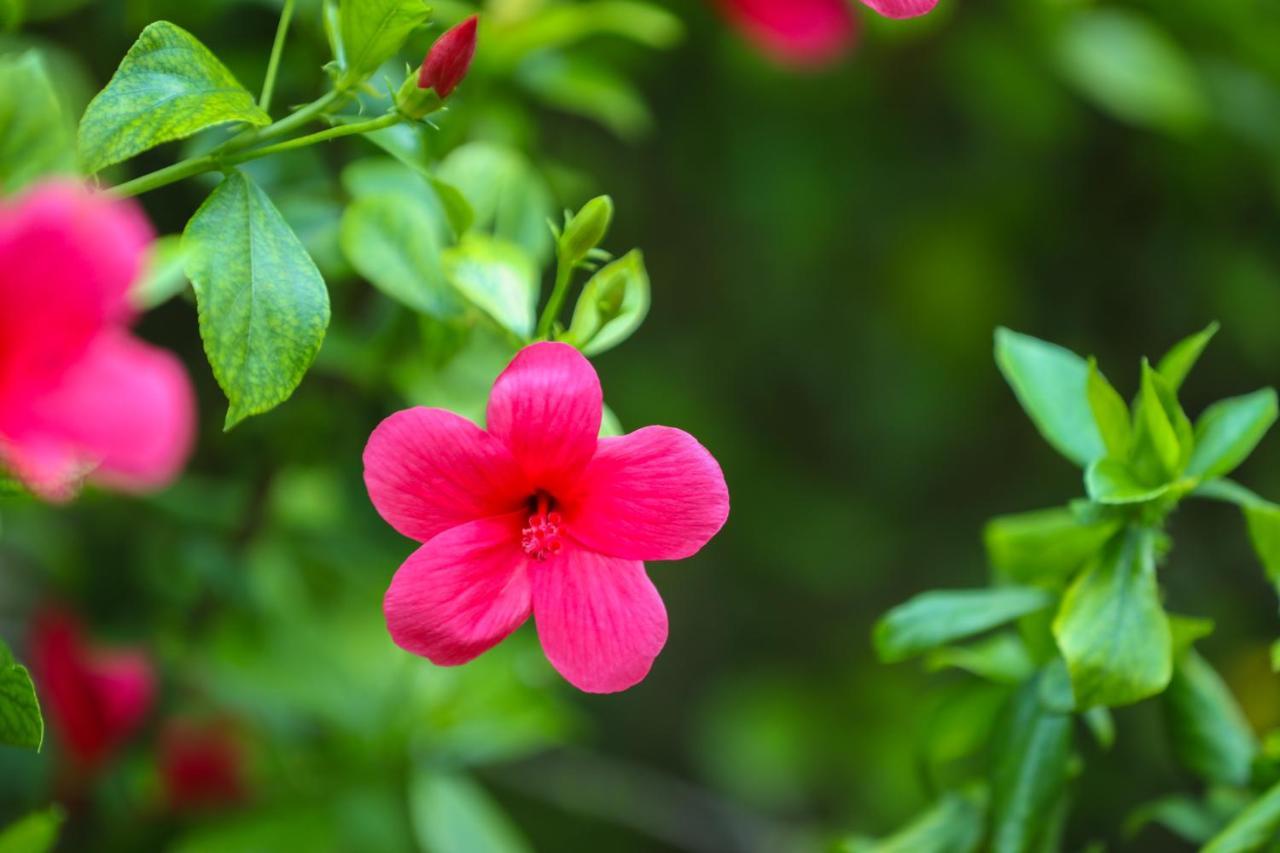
<point x="449" y="58"/>
<point x="201" y="765"/>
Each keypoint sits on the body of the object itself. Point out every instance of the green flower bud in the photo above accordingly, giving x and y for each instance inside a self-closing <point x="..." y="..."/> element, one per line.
<point x="414" y="102"/>
<point x="586" y="229"/>
<point x="613" y="304"/>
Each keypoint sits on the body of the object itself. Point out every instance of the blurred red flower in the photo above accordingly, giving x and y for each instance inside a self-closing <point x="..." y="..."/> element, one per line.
<point x="201" y="765"/>
<point x="809" y="33"/>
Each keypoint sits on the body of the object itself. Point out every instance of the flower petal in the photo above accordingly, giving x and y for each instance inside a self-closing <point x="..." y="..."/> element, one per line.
<point x="902" y="8"/>
<point x="68" y="256"/>
<point x="461" y="593"/>
<point x="600" y="620"/>
<point x="429" y="470"/>
<point x="654" y="494"/>
<point x="796" y="33"/>
<point x="546" y="407"/>
<point x="125" y="410"/>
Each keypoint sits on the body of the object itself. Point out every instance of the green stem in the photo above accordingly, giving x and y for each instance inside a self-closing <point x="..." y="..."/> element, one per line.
<point x="286" y="125"/>
<point x="273" y="64"/>
<point x="564" y="274"/>
<point x="165" y="176"/>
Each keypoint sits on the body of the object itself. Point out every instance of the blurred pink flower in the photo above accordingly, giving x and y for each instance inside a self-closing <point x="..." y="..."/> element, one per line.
<point x="809" y="33"/>
<point x="79" y="395"/>
<point x="539" y="515"/>
<point x="94" y="699"/>
<point x="449" y="58"/>
<point x="201" y="765"/>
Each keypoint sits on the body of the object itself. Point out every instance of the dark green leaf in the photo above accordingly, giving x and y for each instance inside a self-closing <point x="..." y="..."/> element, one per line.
<point x="935" y="618"/>
<point x="1256" y="826"/>
<point x="1002" y="658"/>
<point x="1179" y="360"/>
<point x="35" y="134"/>
<point x="498" y="278"/>
<point x="1210" y="734"/>
<point x="20" y="721"/>
<point x="1228" y="431"/>
<point x="35" y="833"/>
<point x="452" y="813"/>
<point x="1109" y="412"/>
<point x="392" y="242"/>
<point x="1044" y="545"/>
<point x="169" y="86"/>
<point x="953" y="825"/>
<point x="1050" y="383"/>
<point x="1109" y="481"/>
<point x="613" y="304"/>
<point x="263" y="306"/>
<point x="1111" y="628"/>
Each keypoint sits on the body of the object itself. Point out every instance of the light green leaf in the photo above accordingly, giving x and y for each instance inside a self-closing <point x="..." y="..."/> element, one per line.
<point x="451" y="813"/>
<point x="1186" y="630"/>
<point x="508" y="198"/>
<point x="35" y="833"/>
<point x="1209" y="732"/>
<point x="1111" y="628"/>
<point x="1132" y="69"/>
<point x="1161" y="434"/>
<point x="457" y="210"/>
<point x="934" y="618"/>
<point x="35" y="134"/>
<point x="168" y="87"/>
<point x="580" y="86"/>
<point x="372" y="31"/>
<point x="613" y="304"/>
<point x="498" y="278"/>
<point x="1002" y="658"/>
<point x="392" y="241"/>
<point x="165" y="277"/>
<point x="1179" y="360"/>
<point x="1049" y="382"/>
<point x="1229" y="430"/>
<point x="1109" y="481"/>
<point x="1109" y="412"/>
<point x="1046" y="545"/>
<point x="1029" y="769"/>
<point x="1254" y="827"/>
<point x="954" y="824"/>
<point x="263" y="306"/>
<point x="20" y="721"/>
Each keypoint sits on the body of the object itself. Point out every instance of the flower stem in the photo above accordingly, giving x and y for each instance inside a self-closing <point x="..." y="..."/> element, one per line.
<point x="564" y="273"/>
<point x="273" y="64"/>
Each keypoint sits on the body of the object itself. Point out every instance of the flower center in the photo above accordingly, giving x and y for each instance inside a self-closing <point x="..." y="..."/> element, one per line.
<point x="541" y="536"/>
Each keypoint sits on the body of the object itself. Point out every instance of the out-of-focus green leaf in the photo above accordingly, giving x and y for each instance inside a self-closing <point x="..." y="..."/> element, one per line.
<point x="562" y="25"/>
<point x="508" y="198"/>
<point x="1179" y="360"/>
<point x="1050" y="383"/>
<point x="35" y="134"/>
<point x="10" y="14"/>
<point x="43" y="10"/>
<point x="1209" y="732"/>
<point x="1111" y="628"/>
<point x="954" y="824"/>
<point x="20" y="721"/>
<point x="612" y="305"/>
<point x="1185" y="630"/>
<point x="457" y="210"/>
<point x="1028" y="771"/>
<point x="1002" y="658"/>
<point x="263" y="306"/>
<point x="1161" y="432"/>
<point x="498" y="278"/>
<point x="1046" y="545"/>
<point x="169" y="86"/>
<point x="35" y="833"/>
<point x="392" y="242"/>
<point x="1109" y="412"/>
<point x="579" y="86"/>
<point x="372" y="31"/>
<point x="1101" y="724"/>
<point x="1189" y="819"/>
<point x="452" y="814"/>
<point x="166" y="276"/>
<point x="1129" y="67"/>
<point x="1262" y="517"/>
<point x="1229" y="430"/>
<point x="1109" y="481"/>
<point x="260" y="831"/>
<point x="934" y="618"/>
<point x="1255" y="827"/>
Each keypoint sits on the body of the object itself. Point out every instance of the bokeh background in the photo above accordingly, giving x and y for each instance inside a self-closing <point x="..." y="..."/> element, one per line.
<point x="829" y="251"/>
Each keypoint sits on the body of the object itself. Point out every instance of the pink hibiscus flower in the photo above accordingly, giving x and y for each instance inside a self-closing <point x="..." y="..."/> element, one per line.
<point x="809" y="33"/>
<point x="79" y="395"/>
<point x="539" y="516"/>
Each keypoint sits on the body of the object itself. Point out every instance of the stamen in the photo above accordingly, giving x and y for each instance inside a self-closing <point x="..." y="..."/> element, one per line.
<point x="541" y="538"/>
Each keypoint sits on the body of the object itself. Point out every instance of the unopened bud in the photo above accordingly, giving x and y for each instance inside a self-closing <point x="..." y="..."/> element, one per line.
<point x="449" y="58"/>
<point x="612" y="305"/>
<point x="586" y="229"/>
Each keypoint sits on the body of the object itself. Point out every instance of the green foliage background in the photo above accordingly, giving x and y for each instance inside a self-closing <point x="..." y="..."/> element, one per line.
<point x="828" y="255"/>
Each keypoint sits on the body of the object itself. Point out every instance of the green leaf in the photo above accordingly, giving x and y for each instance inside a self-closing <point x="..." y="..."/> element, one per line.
<point x="1111" y="628"/>
<point x="1229" y="430"/>
<point x="1109" y="412"/>
<point x="1046" y="545"/>
<point x="1028" y="770"/>
<point x="35" y="833"/>
<point x="20" y="720"/>
<point x="1262" y="518"/>
<point x="1185" y="630"/>
<point x="35" y="134"/>
<point x="1179" y="360"/>
<point x="165" y="277"/>
<point x="372" y="31"/>
<point x="613" y="304"/>
<point x="1186" y="818"/>
<point x="1160" y="432"/>
<point x="1132" y="69"/>
<point x="1002" y="658"/>
<point x="1209" y="732"/>
<point x="508" y="198"/>
<point x="263" y="307"/>
<point x="168" y="87"/>
<point x="498" y="278"/>
<point x="1050" y="383"/>
<point x="954" y="824"/>
<point x="457" y="210"/>
<point x="452" y="813"/>
<point x="1101" y="724"/>
<point x="1109" y="481"/>
<point x="934" y="618"/>
<point x="1254" y="827"/>
<point x="392" y="242"/>
<point x="10" y="14"/>
<point x="586" y="88"/>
